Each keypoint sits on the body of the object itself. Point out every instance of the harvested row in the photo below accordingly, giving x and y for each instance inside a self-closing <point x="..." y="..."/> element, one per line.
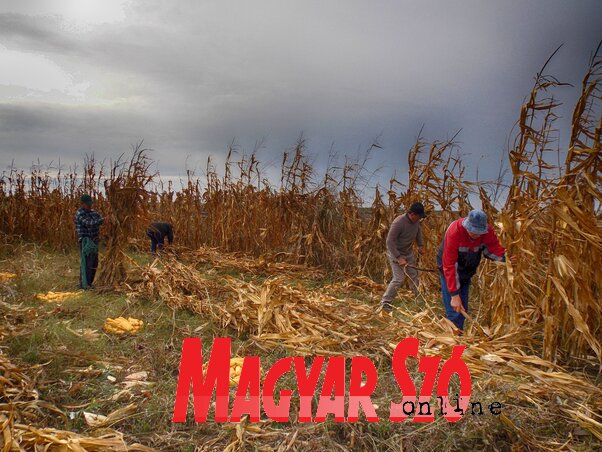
<point x="266" y="264"/>
<point x="275" y="313"/>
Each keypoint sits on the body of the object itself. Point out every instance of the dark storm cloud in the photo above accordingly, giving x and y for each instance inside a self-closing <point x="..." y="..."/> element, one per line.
<point x="190" y="76"/>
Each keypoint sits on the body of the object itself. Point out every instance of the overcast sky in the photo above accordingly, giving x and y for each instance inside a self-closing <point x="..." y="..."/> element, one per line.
<point x="188" y="76"/>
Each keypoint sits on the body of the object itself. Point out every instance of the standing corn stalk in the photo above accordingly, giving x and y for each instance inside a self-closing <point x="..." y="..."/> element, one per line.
<point x="552" y="219"/>
<point x="128" y="199"/>
<point x="574" y="283"/>
<point x="516" y="294"/>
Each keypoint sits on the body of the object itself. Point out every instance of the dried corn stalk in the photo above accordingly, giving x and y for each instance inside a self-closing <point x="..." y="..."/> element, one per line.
<point x="277" y="313"/>
<point x="127" y="196"/>
<point x="22" y="412"/>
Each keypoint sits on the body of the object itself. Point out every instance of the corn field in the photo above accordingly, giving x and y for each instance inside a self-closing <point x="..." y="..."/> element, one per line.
<point x="551" y="218"/>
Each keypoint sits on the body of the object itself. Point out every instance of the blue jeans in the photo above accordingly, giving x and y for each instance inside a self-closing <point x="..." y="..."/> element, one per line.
<point x="90" y="266"/>
<point x="156" y="241"/>
<point x="456" y="317"/>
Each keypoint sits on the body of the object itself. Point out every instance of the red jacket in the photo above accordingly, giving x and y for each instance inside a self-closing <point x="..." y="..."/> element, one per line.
<point x="459" y="256"/>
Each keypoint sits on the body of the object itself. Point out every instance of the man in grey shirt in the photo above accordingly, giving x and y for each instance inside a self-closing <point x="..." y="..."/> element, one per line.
<point x="404" y="231"/>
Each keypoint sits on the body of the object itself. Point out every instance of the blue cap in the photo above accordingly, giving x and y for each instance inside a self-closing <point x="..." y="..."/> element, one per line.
<point x="476" y="222"/>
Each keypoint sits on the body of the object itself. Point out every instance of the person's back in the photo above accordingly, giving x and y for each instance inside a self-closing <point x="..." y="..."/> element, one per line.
<point x="157" y="232"/>
<point x="165" y="229"/>
<point x="87" y="224"/>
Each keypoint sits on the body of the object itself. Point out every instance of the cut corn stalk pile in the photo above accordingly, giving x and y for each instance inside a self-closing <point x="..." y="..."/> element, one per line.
<point x="21" y="411"/>
<point x="126" y="193"/>
<point x="218" y="259"/>
<point x="273" y="312"/>
<point x="359" y="283"/>
<point x="310" y="322"/>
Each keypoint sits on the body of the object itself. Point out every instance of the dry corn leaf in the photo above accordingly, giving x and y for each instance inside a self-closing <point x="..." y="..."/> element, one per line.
<point x="98" y="420"/>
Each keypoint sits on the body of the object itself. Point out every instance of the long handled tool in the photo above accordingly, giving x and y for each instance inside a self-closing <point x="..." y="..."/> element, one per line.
<point x="469" y="318"/>
<point x="421" y="269"/>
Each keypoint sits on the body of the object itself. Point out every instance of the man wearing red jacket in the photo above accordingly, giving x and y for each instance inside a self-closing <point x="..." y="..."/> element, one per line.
<point x="465" y="240"/>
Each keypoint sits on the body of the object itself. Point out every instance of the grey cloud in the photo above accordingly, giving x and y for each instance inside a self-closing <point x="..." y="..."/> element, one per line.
<point x="39" y="34"/>
<point x="188" y="77"/>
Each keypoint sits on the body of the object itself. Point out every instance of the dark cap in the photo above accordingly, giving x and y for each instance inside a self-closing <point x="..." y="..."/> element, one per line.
<point x="418" y="209"/>
<point x="86" y="199"/>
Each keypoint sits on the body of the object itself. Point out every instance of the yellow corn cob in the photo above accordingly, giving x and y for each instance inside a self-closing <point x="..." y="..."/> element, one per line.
<point x="122" y="325"/>
<point x="235" y="370"/>
<point x="57" y="296"/>
<point x="237" y="361"/>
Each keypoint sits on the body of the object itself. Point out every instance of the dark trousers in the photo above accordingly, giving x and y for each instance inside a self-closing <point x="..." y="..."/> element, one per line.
<point x="91" y="263"/>
<point x="156" y="240"/>
<point x="456" y="317"/>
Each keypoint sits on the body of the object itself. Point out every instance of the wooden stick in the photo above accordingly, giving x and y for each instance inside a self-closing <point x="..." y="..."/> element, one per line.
<point x="468" y="317"/>
<point x="421" y="269"/>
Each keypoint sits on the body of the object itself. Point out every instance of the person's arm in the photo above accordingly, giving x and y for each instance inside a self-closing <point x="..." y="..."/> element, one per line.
<point x="420" y="240"/>
<point x="82" y="220"/>
<point x="94" y="219"/>
<point x="493" y="250"/>
<point x="100" y="220"/>
<point x="450" y="262"/>
<point x="392" y="238"/>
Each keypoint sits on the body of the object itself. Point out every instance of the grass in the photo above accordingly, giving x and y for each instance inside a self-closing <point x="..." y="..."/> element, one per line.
<point x="75" y="373"/>
<point x="49" y="341"/>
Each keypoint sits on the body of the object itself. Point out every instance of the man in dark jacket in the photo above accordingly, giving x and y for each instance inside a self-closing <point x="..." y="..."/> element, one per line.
<point x="157" y="233"/>
<point x="87" y="226"/>
<point x="459" y="256"/>
<point x="404" y="231"/>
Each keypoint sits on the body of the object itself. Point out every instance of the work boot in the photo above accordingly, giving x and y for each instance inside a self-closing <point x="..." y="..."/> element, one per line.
<point x="386" y="307"/>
